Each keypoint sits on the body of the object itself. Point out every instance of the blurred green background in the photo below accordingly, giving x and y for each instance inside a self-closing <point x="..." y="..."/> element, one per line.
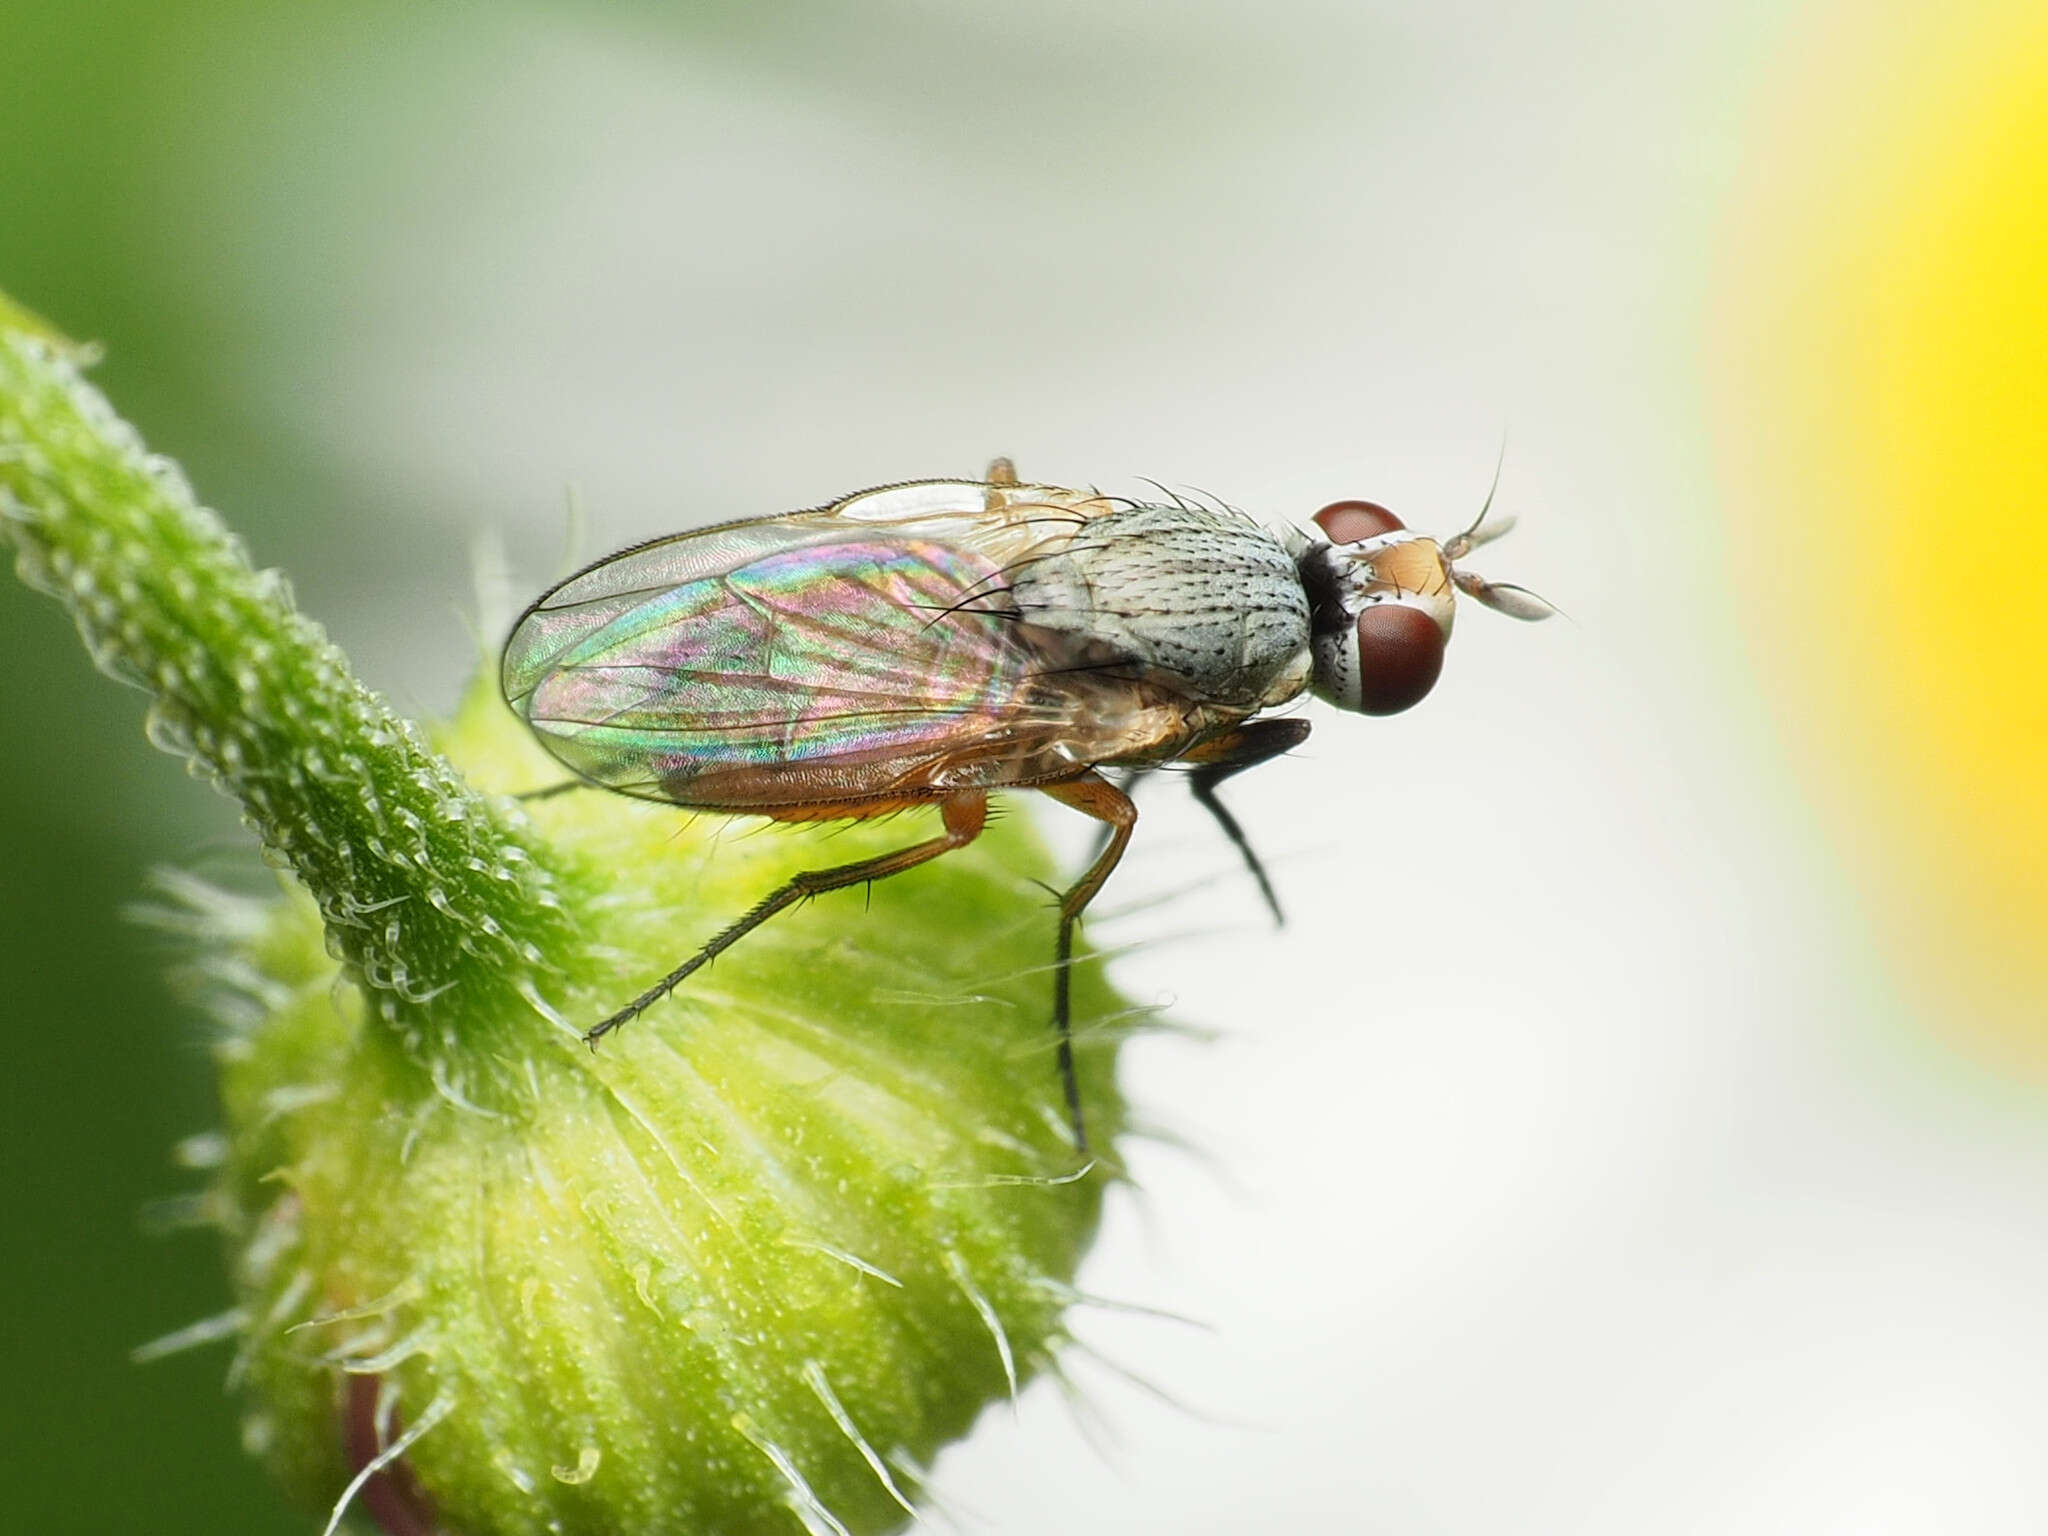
<point x="108" y="112"/>
<point x="1609" y="1143"/>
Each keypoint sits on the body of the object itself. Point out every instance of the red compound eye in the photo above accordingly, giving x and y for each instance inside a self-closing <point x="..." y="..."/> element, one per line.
<point x="1400" y="653"/>
<point x="1346" y="522"/>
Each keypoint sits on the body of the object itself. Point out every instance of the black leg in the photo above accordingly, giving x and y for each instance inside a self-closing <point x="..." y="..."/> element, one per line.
<point x="555" y="789"/>
<point x="1094" y="796"/>
<point x="1246" y="747"/>
<point x="965" y="814"/>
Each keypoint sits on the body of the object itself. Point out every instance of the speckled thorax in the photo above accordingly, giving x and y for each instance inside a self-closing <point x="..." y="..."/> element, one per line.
<point x="1207" y="602"/>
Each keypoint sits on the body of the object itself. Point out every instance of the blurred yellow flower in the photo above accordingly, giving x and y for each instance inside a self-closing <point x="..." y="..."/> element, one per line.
<point x="1882" y="359"/>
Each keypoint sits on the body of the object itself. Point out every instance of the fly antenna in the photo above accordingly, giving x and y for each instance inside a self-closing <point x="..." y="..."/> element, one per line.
<point x="1462" y="544"/>
<point x="1505" y="597"/>
<point x="1501" y="596"/>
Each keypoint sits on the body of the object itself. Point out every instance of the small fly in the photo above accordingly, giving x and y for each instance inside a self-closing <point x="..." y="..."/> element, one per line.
<point x="926" y="643"/>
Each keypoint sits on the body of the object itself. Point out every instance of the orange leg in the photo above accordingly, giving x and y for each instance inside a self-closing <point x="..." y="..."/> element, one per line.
<point x="1094" y="796"/>
<point x="1214" y="761"/>
<point x="964" y="814"/>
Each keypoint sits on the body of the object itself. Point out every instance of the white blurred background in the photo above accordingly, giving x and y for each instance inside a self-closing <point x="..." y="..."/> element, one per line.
<point x="1578" y="1159"/>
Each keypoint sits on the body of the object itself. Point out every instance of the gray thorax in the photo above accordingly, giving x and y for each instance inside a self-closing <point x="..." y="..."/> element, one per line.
<point x="1208" y="600"/>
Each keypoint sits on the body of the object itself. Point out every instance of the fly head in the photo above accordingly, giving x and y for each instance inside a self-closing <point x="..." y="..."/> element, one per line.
<point x="1381" y="601"/>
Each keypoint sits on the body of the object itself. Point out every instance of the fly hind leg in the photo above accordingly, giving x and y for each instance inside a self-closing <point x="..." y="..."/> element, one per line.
<point x="964" y="814"/>
<point x="1092" y="795"/>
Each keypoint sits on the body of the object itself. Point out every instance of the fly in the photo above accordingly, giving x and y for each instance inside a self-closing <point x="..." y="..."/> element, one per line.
<point x="927" y="643"/>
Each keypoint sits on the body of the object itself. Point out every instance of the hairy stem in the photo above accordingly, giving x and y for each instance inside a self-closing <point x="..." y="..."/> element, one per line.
<point x="429" y="891"/>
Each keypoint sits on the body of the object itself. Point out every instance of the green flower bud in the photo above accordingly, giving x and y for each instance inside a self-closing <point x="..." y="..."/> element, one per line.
<point x="745" y="1267"/>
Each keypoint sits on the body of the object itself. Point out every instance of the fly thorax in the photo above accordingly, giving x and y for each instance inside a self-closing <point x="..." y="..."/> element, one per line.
<point x="1207" y="599"/>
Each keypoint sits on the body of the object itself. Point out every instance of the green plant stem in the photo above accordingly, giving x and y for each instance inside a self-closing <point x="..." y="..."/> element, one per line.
<point x="429" y="891"/>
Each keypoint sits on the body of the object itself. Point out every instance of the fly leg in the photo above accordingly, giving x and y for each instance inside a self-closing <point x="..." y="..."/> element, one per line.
<point x="555" y="789"/>
<point x="963" y="813"/>
<point x="1246" y="747"/>
<point x="1094" y="796"/>
<point x="1127" y="784"/>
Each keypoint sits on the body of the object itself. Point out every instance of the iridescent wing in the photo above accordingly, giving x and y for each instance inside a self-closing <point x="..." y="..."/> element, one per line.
<point x="859" y="652"/>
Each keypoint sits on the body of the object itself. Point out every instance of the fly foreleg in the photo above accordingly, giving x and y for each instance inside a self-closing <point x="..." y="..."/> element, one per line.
<point x="964" y="814"/>
<point x="1094" y="796"/>
<point x="1246" y="747"/>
